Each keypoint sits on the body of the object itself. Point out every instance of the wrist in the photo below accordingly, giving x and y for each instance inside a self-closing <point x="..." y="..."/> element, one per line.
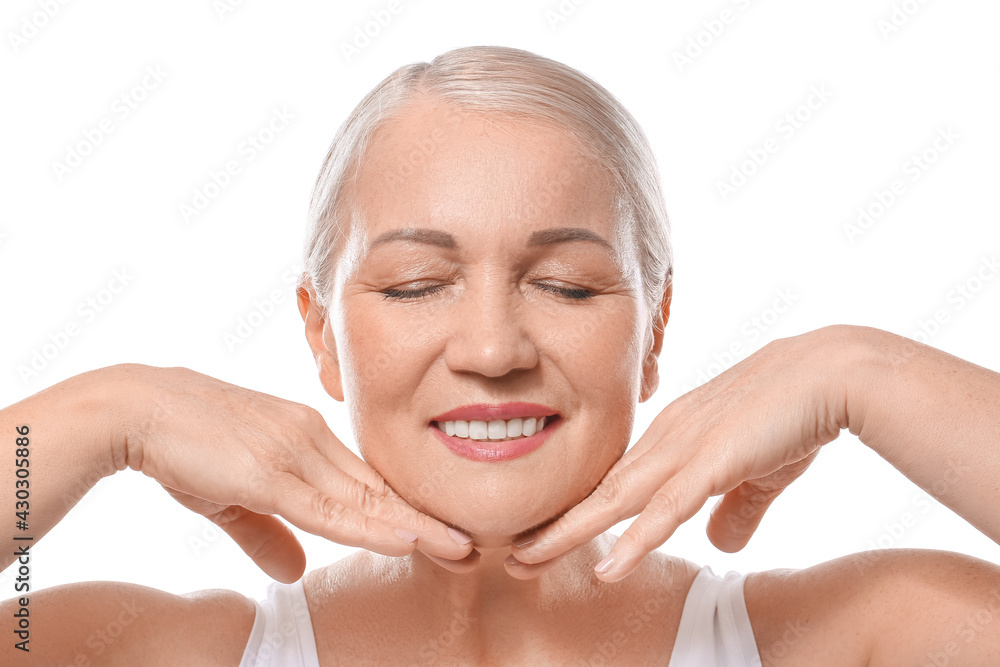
<point x="862" y="366"/>
<point x="125" y="415"/>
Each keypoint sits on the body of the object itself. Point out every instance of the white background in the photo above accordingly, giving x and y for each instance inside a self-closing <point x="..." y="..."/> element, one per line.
<point x="226" y="71"/>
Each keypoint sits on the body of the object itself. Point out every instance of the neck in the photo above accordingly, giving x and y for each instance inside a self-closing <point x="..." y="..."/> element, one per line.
<point x="488" y="591"/>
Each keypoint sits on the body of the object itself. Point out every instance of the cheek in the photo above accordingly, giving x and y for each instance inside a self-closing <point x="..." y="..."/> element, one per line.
<point x="599" y="351"/>
<point x="381" y="353"/>
<point x="384" y="357"/>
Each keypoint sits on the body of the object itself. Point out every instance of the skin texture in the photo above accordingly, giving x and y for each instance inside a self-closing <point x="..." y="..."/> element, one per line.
<point x="490" y="325"/>
<point x="493" y="327"/>
<point x="487" y="319"/>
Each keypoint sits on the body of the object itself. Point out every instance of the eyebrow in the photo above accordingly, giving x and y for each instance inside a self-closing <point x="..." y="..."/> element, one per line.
<point x="543" y="237"/>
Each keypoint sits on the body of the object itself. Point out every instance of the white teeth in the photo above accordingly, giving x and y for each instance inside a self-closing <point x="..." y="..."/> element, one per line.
<point x="478" y="430"/>
<point x="497" y="429"/>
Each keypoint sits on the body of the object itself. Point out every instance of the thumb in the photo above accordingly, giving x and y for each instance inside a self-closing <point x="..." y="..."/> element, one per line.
<point x="268" y="541"/>
<point x="735" y="517"/>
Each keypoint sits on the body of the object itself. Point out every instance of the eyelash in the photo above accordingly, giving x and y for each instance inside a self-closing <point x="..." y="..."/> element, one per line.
<point x="576" y="294"/>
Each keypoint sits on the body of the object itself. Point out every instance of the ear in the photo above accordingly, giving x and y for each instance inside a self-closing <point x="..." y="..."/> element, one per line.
<point x="320" y="337"/>
<point x="650" y="369"/>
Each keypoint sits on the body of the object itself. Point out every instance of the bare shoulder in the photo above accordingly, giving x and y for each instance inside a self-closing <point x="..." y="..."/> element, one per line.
<point x="884" y="607"/>
<point x="116" y="623"/>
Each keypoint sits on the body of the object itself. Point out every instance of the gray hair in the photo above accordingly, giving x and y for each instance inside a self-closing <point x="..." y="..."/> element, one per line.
<point x="511" y="83"/>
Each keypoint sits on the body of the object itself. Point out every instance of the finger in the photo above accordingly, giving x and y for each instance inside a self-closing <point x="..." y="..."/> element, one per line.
<point x="676" y="502"/>
<point x="343" y="458"/>
<point x="615" y="499"/>
<point x="735" y="518"/>
<point x="525" y="571"/>
<point x="336" y="517"/>
<point x="463" y="566"/>
<point x="382" y="504"/>
<point x="268" y="542"/>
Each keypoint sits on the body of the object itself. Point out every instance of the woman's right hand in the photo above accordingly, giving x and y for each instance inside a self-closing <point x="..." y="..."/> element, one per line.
<point x="239" y="457"/>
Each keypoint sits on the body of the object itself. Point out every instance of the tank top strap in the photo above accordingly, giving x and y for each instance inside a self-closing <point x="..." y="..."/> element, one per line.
<point x="282" y="633"/>
<point x="714" y="628"/>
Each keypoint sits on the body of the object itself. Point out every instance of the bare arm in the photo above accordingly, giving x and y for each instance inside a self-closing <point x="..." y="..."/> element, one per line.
<point x="237" y="456"/>
<point x="933" y="416"/>
<point x="57" y="445"/>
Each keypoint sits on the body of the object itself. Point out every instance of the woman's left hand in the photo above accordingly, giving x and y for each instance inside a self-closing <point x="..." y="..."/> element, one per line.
<point x="747" y="433"/>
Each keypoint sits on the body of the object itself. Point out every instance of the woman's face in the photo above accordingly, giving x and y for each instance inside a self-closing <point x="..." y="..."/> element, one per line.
<point x="484" y="269"/>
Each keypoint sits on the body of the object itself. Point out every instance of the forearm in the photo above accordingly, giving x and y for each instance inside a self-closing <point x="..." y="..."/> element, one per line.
<point x="933" y="416"/>
<point x="56" y="445"/>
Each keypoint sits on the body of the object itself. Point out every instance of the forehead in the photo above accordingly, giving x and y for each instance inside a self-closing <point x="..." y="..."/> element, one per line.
<point x="479" y="174"/>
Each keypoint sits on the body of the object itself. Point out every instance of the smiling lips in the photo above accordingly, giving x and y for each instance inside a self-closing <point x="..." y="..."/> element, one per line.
<point x="477" y="431"/>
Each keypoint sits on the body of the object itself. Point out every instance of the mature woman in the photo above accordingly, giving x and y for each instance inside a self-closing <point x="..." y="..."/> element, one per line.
<point x="488" y="278"/>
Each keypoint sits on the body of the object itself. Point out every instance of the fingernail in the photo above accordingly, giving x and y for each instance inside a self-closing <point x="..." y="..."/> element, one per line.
<point x="459" y="536"/>
<point x="605" y="564"/>
<point x="510" y="560"/>
<point x="407" y="535"/>
<point x="525" y="540"/>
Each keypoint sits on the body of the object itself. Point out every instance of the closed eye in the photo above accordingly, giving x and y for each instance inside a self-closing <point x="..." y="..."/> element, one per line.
<point x="575" y="293"/>
<point x="578" y="293"/>
<point x="410" y="294"/>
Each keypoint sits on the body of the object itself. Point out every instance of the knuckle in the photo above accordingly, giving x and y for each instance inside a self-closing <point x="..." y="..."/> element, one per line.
<point x="610" y="492"/>
<point x="634" y="540"/>
<point x="368" y="501"/>
<point x="309" y="417"/>
<point x="379" y="488"/>
<point x="662" y="505"/>
<point x="329" y="510"/>
<point x="273" y="460"/>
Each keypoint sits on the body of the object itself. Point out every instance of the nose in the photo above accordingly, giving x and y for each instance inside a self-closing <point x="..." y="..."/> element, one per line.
<point x="488" y="332"/>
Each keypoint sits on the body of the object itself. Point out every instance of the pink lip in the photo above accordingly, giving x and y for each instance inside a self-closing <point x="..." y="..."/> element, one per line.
<point x="487" y="412"/>
<point x="496" y="450"/>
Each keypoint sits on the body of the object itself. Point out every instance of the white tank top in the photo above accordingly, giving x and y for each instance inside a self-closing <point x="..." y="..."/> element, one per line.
<point x="714" y="629"/>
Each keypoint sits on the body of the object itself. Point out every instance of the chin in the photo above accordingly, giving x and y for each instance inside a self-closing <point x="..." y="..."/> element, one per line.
<point x="494" y="518"/>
